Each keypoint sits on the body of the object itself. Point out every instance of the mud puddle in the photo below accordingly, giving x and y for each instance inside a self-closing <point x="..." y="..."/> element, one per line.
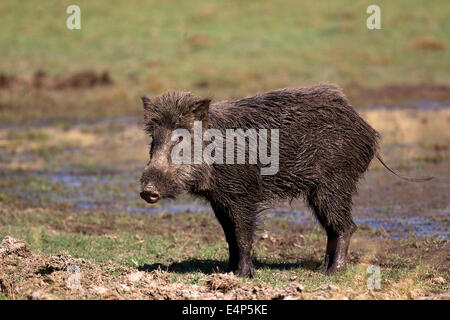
<point x="118" y="193"/>
<point x="383" y="227"/>
<point x="420" y="105"/>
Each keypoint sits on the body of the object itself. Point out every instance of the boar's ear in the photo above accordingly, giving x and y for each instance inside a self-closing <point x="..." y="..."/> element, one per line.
<point x="145" y="101"/>
<point x="200" y="108"/>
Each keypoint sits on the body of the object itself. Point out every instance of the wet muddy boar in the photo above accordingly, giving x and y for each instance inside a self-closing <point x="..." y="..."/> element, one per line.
<point x="323" y="147"/>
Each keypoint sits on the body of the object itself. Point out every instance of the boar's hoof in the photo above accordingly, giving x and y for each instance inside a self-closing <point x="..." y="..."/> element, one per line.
<point x="336" y="255"/>
<point x="334" y="268"/>
<point x="245" y="270"/>
<point x="231" y="268"/>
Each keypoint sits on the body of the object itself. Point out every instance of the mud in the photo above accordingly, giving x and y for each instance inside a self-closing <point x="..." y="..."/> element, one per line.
<point x="399" y="92"/>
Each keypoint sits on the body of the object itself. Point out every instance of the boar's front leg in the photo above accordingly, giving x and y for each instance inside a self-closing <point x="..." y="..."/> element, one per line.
<point x="238" y="229"/>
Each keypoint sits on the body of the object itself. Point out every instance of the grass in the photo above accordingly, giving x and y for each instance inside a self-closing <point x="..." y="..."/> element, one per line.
<point x="180" y="44"/>
<point x="226" y="49"/>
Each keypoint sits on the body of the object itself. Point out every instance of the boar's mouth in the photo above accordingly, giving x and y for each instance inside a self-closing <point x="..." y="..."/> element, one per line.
<point x="153" y="198"/>
<point x="149" y="197"/>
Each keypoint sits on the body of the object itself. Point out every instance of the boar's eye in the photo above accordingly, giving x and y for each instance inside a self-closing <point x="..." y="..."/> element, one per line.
<point x="150" y="147"/>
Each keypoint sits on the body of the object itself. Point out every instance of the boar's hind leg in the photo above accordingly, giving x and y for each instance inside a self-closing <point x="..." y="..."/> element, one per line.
<point x="333" y="210"/>
<point x="239" y="235"/>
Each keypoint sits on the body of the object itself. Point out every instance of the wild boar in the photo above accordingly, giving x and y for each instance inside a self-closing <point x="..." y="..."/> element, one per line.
<point x="319" y="145"/>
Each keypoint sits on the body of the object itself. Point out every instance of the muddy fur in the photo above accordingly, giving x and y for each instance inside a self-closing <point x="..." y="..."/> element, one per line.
<point x="324" y="149"/>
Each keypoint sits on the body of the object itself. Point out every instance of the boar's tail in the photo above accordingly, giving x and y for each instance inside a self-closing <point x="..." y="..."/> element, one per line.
<point x="402" y="177"/>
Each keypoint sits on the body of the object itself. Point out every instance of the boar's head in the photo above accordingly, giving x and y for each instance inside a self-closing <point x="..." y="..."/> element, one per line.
<point x="163" y="177"/>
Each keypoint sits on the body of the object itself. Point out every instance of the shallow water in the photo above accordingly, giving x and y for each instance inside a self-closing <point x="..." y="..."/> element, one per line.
<point x="386" y="227"/>
<point x="119" y="192"/>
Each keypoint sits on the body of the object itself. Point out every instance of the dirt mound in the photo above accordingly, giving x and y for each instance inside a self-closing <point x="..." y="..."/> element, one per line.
<point x="62" y="276"/>
<point x="60" y="262"/>
<point x="13" y="246"/>
<point x="222" y="282"/>
<point x="85" y="79"/>
<point x="42" y="80"/>
<point x="6" y="80"/>
<point x="6" y="286"/>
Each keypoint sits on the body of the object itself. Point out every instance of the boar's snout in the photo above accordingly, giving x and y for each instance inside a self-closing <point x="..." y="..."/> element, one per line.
<point x="150" y="194"/>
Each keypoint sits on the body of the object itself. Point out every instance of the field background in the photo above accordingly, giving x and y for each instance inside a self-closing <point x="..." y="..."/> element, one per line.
<point x="224" y="49"/>
<point x="72" y="148"/>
